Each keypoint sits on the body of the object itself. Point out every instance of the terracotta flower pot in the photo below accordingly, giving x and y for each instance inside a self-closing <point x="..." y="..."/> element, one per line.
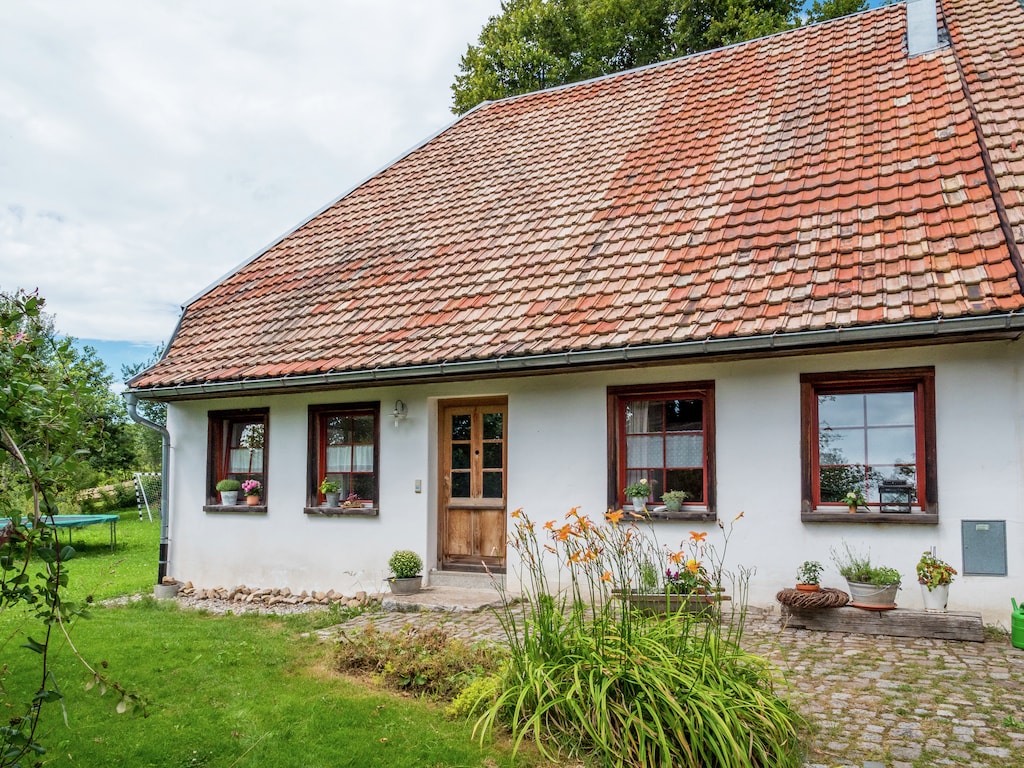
<point x="252" y="501"/>
<point x="808" y="587"/>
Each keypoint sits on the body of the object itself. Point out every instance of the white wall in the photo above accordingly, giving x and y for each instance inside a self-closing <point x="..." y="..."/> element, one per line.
<point x="557" y="460"/>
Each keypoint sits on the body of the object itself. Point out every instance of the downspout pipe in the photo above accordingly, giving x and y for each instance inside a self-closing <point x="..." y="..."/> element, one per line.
<point x="131" y="401"/>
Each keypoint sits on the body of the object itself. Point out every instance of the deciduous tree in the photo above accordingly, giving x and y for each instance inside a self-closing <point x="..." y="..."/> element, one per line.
<point x="536" y="44"/>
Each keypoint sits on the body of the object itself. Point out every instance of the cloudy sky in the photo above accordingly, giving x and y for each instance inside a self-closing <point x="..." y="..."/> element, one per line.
<point x="149" y="147"/>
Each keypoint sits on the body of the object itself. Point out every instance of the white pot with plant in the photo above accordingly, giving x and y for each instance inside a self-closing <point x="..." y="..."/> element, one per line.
<point x="407" y="568"/>
<point x="637" y="493"/>
<point x="808" y="576"/>
<point x="674" y="500"/>
<point x="331" y="491"/>
<point x="873" y="587"/>
<point x="934" y="576"/>
<point x="228" y="489"/>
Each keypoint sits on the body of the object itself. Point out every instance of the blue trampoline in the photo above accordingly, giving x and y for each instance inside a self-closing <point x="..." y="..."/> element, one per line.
<point x="74" y="521"/>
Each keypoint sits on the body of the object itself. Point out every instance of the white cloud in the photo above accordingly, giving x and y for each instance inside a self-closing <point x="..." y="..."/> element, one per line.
<point x="147" y="148"/>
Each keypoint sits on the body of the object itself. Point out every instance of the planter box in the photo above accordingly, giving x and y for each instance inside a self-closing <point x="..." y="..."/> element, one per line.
<point x="661" y="604"/>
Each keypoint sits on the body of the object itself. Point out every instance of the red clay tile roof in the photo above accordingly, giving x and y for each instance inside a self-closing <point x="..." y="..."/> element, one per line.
<point x="814" y="179"/>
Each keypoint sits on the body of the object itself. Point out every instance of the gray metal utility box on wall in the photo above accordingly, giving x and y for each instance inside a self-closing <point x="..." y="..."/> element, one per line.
<point x="984" y="547"/>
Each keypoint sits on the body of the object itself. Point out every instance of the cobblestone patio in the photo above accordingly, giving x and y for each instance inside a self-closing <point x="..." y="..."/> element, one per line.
<point x="875" y="702"/>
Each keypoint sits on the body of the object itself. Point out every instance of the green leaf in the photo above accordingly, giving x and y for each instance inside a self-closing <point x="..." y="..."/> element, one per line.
<point x="33" y="645"/>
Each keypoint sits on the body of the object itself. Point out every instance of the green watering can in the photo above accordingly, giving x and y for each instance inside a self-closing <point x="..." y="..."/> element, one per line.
<point x="1017" y="625"/>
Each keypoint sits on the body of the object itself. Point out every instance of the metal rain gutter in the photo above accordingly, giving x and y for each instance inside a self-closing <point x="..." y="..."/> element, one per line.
<point x="923" y="330"/>
<point x="131" y="401"/>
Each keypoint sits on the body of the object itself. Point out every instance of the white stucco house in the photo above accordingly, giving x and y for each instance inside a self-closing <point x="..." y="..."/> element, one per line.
<point x="765" y="275"/>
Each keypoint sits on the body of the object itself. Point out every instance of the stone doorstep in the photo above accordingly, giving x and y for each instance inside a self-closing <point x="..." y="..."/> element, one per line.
<point x="898" y="622"/>
<point x="452" y="599"/>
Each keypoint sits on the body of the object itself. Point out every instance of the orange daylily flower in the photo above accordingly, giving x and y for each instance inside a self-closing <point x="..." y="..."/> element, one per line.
<point x="564" y="532"/>
<point x="549" y="525"/>
<point x="517" y="512"/>
<point x="693" y="566"/>
<point x="613" y="517"/>
<point x="698" y="535"/>
<point x="675" y="558"/>
<point x="606" y="576"/>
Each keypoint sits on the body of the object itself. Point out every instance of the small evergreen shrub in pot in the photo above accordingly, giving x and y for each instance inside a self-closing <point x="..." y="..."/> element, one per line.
<point x="229" y="488"/>
<point x="406" y="566"/>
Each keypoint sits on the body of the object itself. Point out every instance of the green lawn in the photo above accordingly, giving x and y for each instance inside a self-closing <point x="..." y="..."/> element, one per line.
<point x="221" y="690"/>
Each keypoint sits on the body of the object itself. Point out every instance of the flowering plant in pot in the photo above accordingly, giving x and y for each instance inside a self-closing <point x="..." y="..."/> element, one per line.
<point x="228" y="489"/>
<point x="406" y="566"/>
<point x="252" y="489"/>
<point x="854" y="499"/>
<point x="934" y="576"/>
<point x="808" y="576"/>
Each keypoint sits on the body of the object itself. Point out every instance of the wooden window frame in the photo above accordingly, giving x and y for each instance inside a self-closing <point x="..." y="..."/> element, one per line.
<point x="219" y="431"/>
<point x="693" y="390"/>
<point x="317" y="447"/>
<point x="920" y="381"/>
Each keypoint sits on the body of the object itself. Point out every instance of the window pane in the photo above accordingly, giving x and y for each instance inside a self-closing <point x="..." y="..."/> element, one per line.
<point x="645" y="452"/>
<point x="689" y="480"/>
<point x="684" y="415"/>
<point x="362" y="428"/>
<point x="460" y="457"/>
<point x="362" y="460"/>
<point x="890" y="408"/>
<point x="891" y="445"/>
<point x="339" y="458"/>
<point x="841" y="446"/>
<point x="492" y="455"/>
<point x="684" y="451"/>
<point x="643" y="416"/>
<point x="460" y="485"/>
<point x="494" y="426"/>
<point x="363" y="485"/>
<point x="339" y="430"/>
<point x="840" y="411"/>
<point x="492" y="485"/>
<point x="461" y="426"/>
<point x="837" y="481"/>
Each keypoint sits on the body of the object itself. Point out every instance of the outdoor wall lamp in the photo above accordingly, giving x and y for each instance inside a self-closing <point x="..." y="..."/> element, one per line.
<point x="401" y="413"/>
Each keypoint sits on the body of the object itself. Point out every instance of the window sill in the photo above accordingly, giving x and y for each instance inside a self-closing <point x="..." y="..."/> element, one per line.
<point x="696" y="515"/>
<point x="236" y="509"/>
<point x="892" y="518"/>
<point x="341" y="511"/>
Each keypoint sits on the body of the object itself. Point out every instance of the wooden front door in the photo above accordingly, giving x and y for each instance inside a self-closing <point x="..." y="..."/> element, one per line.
<point x="473" y="453"/>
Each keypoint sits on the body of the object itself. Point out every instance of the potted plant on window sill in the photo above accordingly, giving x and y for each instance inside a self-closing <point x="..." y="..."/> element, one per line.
<point x="872" y="587"/>
<point x="252" y="489"/>
<point x="331" y="491"/>
<point x="808" y="576"/>
<point x="637" y="494"/>
<point x="407" y="568"/>
<point x="934" y="576"/>
<point x="228" y="489"/>
<point x="854" y="499"/>
<point x="674" y="500"/>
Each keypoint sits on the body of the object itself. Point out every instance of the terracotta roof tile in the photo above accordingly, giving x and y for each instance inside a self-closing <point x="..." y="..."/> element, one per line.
<point x="812" y="179"/>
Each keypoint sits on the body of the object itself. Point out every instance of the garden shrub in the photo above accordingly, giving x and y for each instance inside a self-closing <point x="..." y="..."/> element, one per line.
<point x="591" y="679"/>
<point x="428" y="661"/>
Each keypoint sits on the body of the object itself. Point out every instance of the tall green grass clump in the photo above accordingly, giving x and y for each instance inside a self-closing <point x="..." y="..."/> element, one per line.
<point x="590" y="677"/>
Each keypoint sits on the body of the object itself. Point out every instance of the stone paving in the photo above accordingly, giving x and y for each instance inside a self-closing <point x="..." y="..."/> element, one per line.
<point x="874" y="702"/>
